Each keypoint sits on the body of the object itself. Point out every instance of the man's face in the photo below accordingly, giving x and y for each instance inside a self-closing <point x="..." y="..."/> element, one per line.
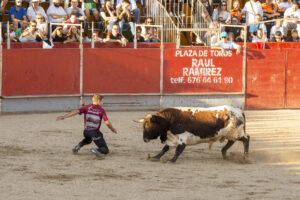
<point x="33" y="26"/>
<point x="73" y="18"/>
<point x="18" y="2"/>
<point x="224" y="39"/>
<point x="278" y="38"/>
<point x="234" y="21"/>
<point x="56" y="2"/>
<point x="295" y="7"/>
<point x="115" y="30"/>
<point x="259" y="33"/>
<point x="74" y="3"/>
<point x="236" y="4"/>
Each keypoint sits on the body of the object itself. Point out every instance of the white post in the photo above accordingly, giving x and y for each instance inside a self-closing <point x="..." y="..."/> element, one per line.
<point x="93" y="41"/>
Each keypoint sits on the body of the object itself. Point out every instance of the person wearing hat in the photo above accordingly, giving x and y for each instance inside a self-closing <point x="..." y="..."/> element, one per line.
<point x="36" y="9"/>
<point x="225" y="44"/>
<point x="93" y="115"/>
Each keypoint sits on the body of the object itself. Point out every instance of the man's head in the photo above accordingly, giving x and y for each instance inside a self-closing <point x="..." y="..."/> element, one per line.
<point x="32" y="25"/>
<point x="295" y="7"/>
<point x="138" y="31"/>
<point x="74" y="3"/>
<point x="18" y="3"/>
<point x="97" y="100"/>
<point x="35" y="3"/>
<point x="294" y="33"/>
<point x="278" y="36"/>
<point x="125" y="4"/>
<point x="39" y="18"/>
<point x="234" y="20"/>
<point x="73" y="18"/>
<point x="257" y="18"/>
<point x="259" y="33"/>
<point x="56" y="3"/>
<point x="115" y="29"/>
<point x="236" y="4"/>
<point x="224" y="36"/>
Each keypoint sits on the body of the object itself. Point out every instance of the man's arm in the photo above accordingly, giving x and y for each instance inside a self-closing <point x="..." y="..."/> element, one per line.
<point x="109" y="125"/>
<point x="70" y="114"/>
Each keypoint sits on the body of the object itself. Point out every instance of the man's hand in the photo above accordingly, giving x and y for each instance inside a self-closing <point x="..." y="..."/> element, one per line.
<point x="238" y="50"/>
<point x="60" y="118"/>
<point x="114" y="130"/>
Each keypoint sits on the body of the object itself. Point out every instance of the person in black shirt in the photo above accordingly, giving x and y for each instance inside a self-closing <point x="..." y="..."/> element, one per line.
<point x="139" y="38"/>
<point x="294" y="36"/>
<point x="57" y="35"/>
<point x="115" y="36"/>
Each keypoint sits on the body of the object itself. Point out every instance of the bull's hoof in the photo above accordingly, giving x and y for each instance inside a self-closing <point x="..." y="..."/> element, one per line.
<point x="154" y="159"/>
<point x="172" y="161"/>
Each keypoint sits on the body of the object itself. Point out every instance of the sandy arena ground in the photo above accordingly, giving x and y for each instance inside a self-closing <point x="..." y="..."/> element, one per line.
<point x="36" y="162"/>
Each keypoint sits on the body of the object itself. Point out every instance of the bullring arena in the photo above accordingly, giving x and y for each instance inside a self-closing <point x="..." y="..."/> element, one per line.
<point x="37" y="163"/>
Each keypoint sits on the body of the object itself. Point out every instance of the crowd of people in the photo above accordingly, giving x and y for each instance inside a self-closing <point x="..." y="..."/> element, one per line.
<point x="72" y="19"/>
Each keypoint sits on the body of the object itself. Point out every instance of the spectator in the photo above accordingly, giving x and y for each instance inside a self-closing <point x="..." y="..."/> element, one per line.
<point x="108" y="15"/>
<point x="15" y="33"/>
<point x="56" y="13"/>
<point x="237" y="11"/>
<point x="252" y="8"/>
<point x="283" y="5"/>
<point x="116" y="36"/>
<point x="259" y="37"/>
<point x="31" y="34"/>
<point x="41" y="25"/>
<point x="139" y="37"/>
<point x="17" y="14"/>
<point x="253" y="27"/>
<point x="72" y="35"/>
<point x="230" y="37"/>
<point x="102" y="2"/>
<point x="241" y="37"/>
<point x="294" y="15"/>
<point x="35" y="9"/>
<point x="235" y="30"/>
<point x="278" y="37"/>
<point x="124" y="16"/>
<point x="270" y="10"/>
<point x="208" y="8"/>
<point x="58" y="35"/>
<point x="71" y="20"/>
<point x="133" y="9"/>
<point x="76" y="10"/>
<point x="221" y="12"/>
<point x="149" y="33"/>
<point x="277" y="27"/>
<point x="2" y="6"/>
<point x="96" y="37"/>
<point x="294" y="36"/>
<point x="225" y="44"/>
<point x="91" y="9"/>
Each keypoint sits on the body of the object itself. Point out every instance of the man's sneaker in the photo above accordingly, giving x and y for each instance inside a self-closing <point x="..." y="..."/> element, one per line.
<point x="76" y="148"/>
<point x="97" y="153"/>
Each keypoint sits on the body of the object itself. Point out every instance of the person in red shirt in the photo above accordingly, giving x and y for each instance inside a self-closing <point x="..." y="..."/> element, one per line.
<point x="93" y="115"/>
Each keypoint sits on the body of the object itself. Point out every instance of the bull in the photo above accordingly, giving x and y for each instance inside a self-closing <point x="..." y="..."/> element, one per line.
<point x="181" y="127"/>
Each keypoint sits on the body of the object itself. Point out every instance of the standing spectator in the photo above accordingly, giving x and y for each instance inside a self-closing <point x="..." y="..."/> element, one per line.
<point x="221" y="12"/>
<point x="41" y="25"/>
<point x="278" y="37"/>
<point x="293" y="14"/>
<point x="225" y="44"/>
<point x="252" y="8"/>
<point x="124" y="16"/>
<point x="132" y="8"/>
<point x="277" y="27"/>
<point x="17" y="14"/>
<point x="35" y="9"/>
<point x="139" y="37"/>
<point x="253" y="27"/>
<point x="236" y="11"/>
<point x="294" y="36"/>
<point x="31" y="34"/>
<point x="116" y="36"/>
<point x="259" y="37"/>
<point x="72" y="35"/>
<point x="58" y="35"/>
<point x="56" y="13"/>
<point x="149" y="33"/>
<point x="91" y="9"/>
<point x="108" y="15"/>
<point x="241" y="37"/>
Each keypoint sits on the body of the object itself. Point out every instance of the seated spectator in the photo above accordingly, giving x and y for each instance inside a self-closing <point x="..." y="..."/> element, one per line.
<point x="36" y="9"/>
<point x="277" y="27"/>
<point x="283" y="5"/>
<point x="294" y="36"/>
<point x="96" y="37"/>
<point x="149" y="33"/>
<point x="225" y="44"/>
<point x="74" y="9"/>
<point x="221" y="11"/>
<point x="108" y="15"/>
<point x="139" y="37"/>
<point x="58" y="35"/>
<point x="72" y="35"/>
<point x="124" y="16"/>
<point x="132" y="8"/>
<point x="17" y="14"/>
<point x="241" y="37"/>
<point x="41" y="25"/>
<point x="71" y="20"/>
<point x="235" y="30"/>
<point x="15" y="33"/>
<point x="56" y="13"/>
<point x="116" y="36"/>
<point x="91" y="9"/>
<point x="259" y="37"/>
<point x="293" y="14"/>
<point x="237" y="11"/>
<point x="31" y="34"/>
<point x="278" y="37"/>
<point x="253" y="27"/>
<point x="230" y="37"/>
<point x="270" y="10"/>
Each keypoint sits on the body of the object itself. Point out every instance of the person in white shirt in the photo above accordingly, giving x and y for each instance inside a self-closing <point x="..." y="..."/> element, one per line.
<point x="221" y="12"/>
<point x="283" y="5"/>
<point x="252" y="8"/>
<point x="293" y="14"/>
<point x="36" y="9"/>
<point x="259" y="36"/>
<point x="133" y="8"/>
<point x="41" y="25"/>
<point x="56" y="13"/>
<point x="277" y="27"/>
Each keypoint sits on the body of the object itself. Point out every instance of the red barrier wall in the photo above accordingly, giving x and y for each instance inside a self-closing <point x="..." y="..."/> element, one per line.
<point x="40" y="72"/>
<point x="293" y="79"/>
<point x="202" y="70"/>
<point x="265" y="79"/>
<point x="121" y="71"/>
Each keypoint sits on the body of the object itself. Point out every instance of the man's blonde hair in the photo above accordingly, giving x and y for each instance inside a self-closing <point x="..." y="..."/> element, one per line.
<point x="97" y="97"/>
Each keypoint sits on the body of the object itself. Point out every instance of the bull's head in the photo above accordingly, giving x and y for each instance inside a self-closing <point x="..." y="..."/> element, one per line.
<point x="153" y="127"/>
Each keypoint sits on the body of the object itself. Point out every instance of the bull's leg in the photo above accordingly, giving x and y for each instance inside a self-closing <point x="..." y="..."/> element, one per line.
<point x="179" y="150"/>
<point x="226" y="147"/>
<point x="246" y="141"/>
<point x="163" y="151"/>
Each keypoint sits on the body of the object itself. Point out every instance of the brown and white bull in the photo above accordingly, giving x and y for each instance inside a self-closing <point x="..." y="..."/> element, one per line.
<point x="178" y="127"/>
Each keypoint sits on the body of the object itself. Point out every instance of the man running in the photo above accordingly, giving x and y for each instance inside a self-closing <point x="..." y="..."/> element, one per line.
<point x="93" y="114"/>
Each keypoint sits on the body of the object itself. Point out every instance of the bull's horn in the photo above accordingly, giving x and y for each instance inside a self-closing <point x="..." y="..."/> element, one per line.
<point x="139" y="121"/>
